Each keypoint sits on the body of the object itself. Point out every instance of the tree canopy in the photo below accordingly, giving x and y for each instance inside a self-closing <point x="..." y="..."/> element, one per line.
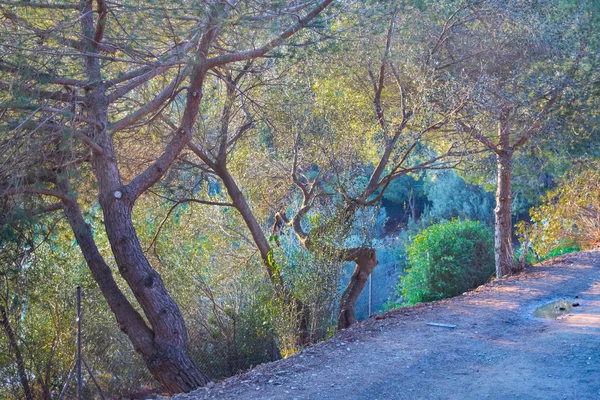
<point x="205" y="170"/>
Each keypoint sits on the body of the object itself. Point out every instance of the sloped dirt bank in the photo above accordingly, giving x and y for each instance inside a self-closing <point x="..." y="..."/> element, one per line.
<point x="497" y="350"/>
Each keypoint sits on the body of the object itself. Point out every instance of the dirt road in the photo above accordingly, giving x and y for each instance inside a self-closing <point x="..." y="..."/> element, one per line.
<point x="497" y="350"/>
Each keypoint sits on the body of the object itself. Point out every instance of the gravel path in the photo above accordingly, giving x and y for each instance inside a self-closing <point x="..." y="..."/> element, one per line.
<point x="497" y="350"/>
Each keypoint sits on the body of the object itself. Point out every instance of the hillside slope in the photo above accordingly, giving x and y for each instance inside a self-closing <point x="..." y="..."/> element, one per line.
<point x="498" y="350"/>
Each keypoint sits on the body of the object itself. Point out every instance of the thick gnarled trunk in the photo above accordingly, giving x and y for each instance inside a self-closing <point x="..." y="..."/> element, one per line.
<point x="168" y="360"/>
<point x="162" y="347"/>
<point x="366" y="261"/>
<point x="503" y="215"/>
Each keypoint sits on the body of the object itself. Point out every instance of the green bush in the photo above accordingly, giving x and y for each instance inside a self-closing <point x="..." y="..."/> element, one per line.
<point x="569" y="216"/>
<point x="447" y="259"/>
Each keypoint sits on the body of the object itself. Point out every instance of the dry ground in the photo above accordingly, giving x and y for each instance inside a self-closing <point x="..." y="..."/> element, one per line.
<point x="498" y="350"/>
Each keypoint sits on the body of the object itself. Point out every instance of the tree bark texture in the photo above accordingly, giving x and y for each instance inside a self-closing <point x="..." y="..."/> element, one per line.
<point x="169" y="362"/>
<point x="163" y="348"/>
<point x="366" y="261"/>
<point x="503" y="217"/>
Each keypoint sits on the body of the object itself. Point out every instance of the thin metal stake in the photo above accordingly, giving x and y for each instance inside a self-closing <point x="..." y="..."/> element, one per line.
<point x="77" y="365"/>
<point x="370" y="295"/>
<point x="79" y="378"/>
<point x="66" y="387"/>
<point x="94" y="379"/>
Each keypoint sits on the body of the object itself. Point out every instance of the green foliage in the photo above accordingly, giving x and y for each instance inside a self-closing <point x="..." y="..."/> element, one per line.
<point x="446" y="260"/>
<point x="218" y="282"/>
<point x="557" y="251"/>
<point x="231" y="321"/>
<point x="452" y="197"/>
<point x="313" y="278"/>
<point x="569" y="215"/>
<point x="561" y="250"/>
<point x="40" y="286"/>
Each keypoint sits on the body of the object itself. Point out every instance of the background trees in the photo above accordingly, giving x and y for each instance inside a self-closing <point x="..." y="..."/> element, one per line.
<point x="503" y="54"/>
<point x="228" y="157"/>
<point x="569" y="214"/>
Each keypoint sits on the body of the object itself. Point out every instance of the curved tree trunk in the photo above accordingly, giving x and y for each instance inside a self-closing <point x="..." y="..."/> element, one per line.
<point x="366" y="261"/>
<point x="503" y="224"/>
<point x="162" y="344"/>
<point x="364" y="257"/>
<point x="262" y="243"/>
<point x="168" y="361"/>
<point x="162" y="347"/>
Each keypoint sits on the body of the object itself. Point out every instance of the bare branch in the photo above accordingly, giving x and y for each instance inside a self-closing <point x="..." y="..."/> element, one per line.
<point x="380" y="82"/>
<point x="90" y="142"/>
<point x="481" y="138"/>
<point x="175" y="205"/>
<point x="101" y="24"/>
<point x="73" y="6"/>
<point x="45" y="77"/>
<point x="202" y="155"/>
<point x="261" y="51"/>
<point x="151" y="106"/>
<point x="537" y="122"/>
<point x="140" y="80"/>
<point x="42" y="94"/>
<point x="54" y="110"/>
<point x="32" y="213"/>
<point x="34" y="190"/>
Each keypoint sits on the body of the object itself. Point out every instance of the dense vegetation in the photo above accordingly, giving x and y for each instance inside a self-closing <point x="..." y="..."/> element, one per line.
<point x="569" y="215"/>
<point x="222" y="177"/>
<point x="447" y="259"/>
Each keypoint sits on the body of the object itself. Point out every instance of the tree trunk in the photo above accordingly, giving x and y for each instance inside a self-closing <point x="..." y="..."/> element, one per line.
<point x="162" y="347"/>
<point x="262" y="243"/>
<point x="170" y="364"/>
<point x="503" y="224"/>
<point x="12" y="341"/>
<point x="413" y="206"/>
<point x="163" y="344"/>
<point x="366" y="260"/>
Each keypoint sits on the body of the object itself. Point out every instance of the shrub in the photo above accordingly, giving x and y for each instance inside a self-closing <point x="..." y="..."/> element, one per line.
<point x="446" y="260"/>
<point x="569" y="215"/>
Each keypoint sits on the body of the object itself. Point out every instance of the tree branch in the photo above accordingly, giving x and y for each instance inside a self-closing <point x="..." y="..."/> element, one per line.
<point x="33" y="190"/>
<point x="537" y="122"/>
<point x="73" y="6"/>
<point x="32" y="213"/>
<point x="101" y="24"/>
<point x="149" y="107"/>
<point x="175" y="205"/>
<point x="482" y="139"/>
<point x="261" y="51"/>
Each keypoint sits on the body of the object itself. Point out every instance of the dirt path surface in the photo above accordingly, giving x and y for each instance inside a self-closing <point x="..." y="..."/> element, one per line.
<point x="498" y="350"/>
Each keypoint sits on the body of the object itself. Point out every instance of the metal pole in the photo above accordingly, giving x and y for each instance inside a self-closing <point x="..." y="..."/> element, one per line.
<point x="370" y="295"/>
<point x="94" y="379"/>
<point x="66" y="387"/>
<point x="79" y="380"/>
